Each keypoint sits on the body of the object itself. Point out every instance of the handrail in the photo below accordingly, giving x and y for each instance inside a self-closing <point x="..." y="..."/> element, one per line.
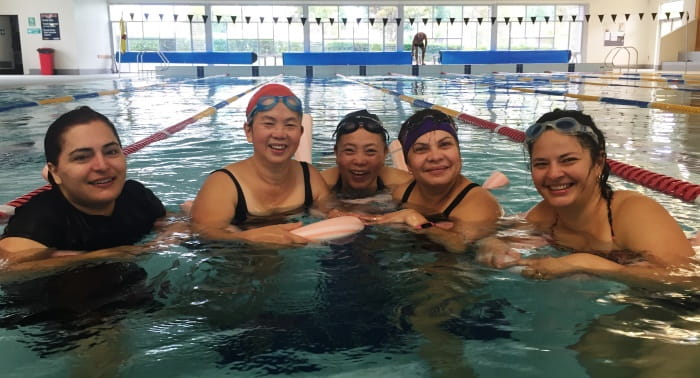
<point x="616" y="51"/>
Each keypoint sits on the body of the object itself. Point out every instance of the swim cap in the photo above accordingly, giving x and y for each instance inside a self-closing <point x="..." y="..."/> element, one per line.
<point x="422" y="122"/>
<point x="270" y="90"/>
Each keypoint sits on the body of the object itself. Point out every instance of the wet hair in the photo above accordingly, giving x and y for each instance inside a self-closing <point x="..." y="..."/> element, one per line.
<point x="360" y="119"/>
<point x="596" y="148"/>
<point x="413" y="127"/>
<point x="53" y="140"/>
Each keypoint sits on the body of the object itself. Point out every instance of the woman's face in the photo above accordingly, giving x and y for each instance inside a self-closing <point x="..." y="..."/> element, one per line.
<point x="360" y="157"/>
<point x="275" y="133"/>
<point x="562" y="170"/>
<point x="434" y="158"/>
<point x="91" y="168"/>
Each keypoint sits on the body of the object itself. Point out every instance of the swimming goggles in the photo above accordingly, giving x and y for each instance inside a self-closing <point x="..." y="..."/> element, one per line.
<point x="266" y="103"/>
<point x="351" y="123"/>
<point x="566" y="125"/>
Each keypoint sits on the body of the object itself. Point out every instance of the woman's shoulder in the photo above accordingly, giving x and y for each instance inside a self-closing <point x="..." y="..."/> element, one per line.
<point x="394" y="176"/>
<point x="541" y="215"/>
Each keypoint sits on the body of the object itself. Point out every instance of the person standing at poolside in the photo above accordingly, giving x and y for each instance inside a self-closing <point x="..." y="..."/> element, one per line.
<point x="91" y="206"/>
<point x="439" y="192"/>
<point x="266" y="184"/>
<point x="619" y="234"/>
<point x="420" y="42"/>
<point x="360" y="152"/>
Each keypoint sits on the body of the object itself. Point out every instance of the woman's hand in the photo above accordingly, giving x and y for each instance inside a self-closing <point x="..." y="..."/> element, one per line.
<point x="409" y="217"/>
<point x="496" y="253"/>
<point x="278" y="234"/>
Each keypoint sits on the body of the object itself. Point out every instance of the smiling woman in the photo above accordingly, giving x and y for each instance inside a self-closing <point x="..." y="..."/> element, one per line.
<point x="91" y="205"/>
<point x="439" y="192"/>
<point x="266" y="184"/>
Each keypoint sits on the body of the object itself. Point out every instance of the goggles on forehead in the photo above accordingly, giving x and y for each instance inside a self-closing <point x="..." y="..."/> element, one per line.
<point x="266" y="103"/>
<point x="566" y="125"/>
<point x="351" y="124"/>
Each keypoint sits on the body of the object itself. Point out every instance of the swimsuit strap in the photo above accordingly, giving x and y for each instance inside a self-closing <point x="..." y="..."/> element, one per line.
<point x="408" y="191"/>
<point x="612" y="231"/>
<point x="241" y="208"/>
<point x="458" y="199"/>
<point x="308" y="195"/>
<point x="338" y="187"/>
<point x="380" y="184"/>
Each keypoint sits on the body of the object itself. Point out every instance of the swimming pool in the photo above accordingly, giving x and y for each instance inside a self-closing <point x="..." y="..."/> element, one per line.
<point x="385" y="303"/>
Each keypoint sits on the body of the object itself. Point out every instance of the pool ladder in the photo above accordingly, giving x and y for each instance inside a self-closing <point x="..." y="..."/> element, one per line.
<point x="141" y="65"/>
<point x="612" y="54"/>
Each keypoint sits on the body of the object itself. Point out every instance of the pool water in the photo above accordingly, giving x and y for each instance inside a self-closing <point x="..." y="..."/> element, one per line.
<point x="387" y="302"/>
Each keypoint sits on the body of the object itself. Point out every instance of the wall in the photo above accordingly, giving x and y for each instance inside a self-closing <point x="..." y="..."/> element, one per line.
<point x="678" y="41"/>
<point x="84" y="34"/>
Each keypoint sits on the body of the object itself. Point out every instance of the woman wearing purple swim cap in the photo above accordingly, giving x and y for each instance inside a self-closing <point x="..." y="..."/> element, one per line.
<point x="439" y="195"/>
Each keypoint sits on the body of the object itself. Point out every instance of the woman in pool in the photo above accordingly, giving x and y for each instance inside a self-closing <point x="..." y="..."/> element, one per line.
<point x="91" y="205"/>
<point x="360" y="152"/>
<point x="438" y="191"/>
<point x="617" y="234"/>
<point x="266" y="184"/>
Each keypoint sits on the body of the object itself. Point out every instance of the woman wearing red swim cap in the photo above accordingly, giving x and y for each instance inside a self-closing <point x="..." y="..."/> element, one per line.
<point x="266" y="184"/>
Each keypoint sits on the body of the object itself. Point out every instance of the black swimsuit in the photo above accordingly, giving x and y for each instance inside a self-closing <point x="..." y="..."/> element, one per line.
<point x="445" y="213"/>
<point x="338" y="187"/>
<point x="242" y="209"/>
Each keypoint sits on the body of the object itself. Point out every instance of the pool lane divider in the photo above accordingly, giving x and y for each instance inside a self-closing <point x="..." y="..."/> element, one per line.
<point x="610" y="100"/>
<point x="683" y="190"/>
<point x="537" y="79"/>
<point x="157" y="136"/>
<point x="56" y="100"/>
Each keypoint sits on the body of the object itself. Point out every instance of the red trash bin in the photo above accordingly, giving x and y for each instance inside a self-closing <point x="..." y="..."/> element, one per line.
<point x="46" y="60"/>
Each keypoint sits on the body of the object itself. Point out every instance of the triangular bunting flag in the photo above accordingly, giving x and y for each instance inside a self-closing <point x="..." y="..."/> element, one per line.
<point x="332" y="20"/>
<point x="411" y="19"/>
<point x="344" y="20"/>
<point x="318" y="20"/>
<point x="358" y="20"/>
<point x="262" y="19"/>
<point x="145" y="16"/>
<point x="600" y="17"/>
<point x="175" y="17"/>
<point x="233" y="19"/>
<point x="466" y="20"/>
<point x="398" y="21"/>
<point x="218" y="19"/>
<point x="479" y="19"/>
<point x="520" y="20"/>
<point x="190" y="17"/>
<point x="371" y="21"/>
<point x="641" y="15"/>
<point x="573" y="17"/>
<point x="546" y="19"/>
<point x="560" y="17"/>
<point x="613" y="16"/>
<point x="132" y="16"/>
<point x="247" y="19"/>
<point x="627" y="16"/>
<point x="588" y="17"/>
<point x="668" y="15"/>
<point x="653" y="16"/>
<point x="438" y="20"/>
<point x="384" y="21"/>
<point x="275" y="19"/>
<point x="682" y="13"/>
<point x="160" y="15"/>
<point x="506" y="19"/>
<point x="533" y="18"/>
<point x="303" y="20"/>
<point x="493" y="20"/>
<point x="205" y="18"/>
<point x="452" y="20"/>
<point x="289" y="20"/>
<point x="425" y="21"/>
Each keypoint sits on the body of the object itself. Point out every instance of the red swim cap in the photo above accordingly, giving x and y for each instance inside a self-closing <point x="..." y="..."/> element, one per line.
<point x="267" y="90"/>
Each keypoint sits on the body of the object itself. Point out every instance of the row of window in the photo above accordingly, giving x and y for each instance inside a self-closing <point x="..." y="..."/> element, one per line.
<point x="253" y="28"/>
